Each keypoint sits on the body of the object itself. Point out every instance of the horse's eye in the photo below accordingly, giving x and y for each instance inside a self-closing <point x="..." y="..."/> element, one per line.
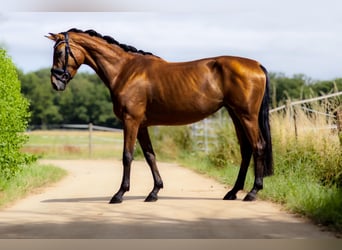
<point x="59" y="53"/>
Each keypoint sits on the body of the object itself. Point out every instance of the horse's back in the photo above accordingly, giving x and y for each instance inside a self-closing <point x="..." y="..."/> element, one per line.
<point x="185" y="92"/>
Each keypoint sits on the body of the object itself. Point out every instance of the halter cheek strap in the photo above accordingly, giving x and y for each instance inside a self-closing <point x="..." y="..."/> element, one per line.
<point x="63" y="74"/>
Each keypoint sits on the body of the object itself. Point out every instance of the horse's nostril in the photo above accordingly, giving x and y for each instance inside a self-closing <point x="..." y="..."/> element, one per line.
<point x="59" y="86"/>
<point x="54" y="86"/>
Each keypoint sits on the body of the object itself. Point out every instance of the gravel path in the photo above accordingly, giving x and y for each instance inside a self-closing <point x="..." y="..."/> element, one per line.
<point x="189" y="206"/>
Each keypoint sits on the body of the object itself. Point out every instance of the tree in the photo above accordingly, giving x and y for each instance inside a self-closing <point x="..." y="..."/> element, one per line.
<point x="36" y="87"/>
<point x="86" y="99"/>
<point x="284" y="88"/>
<point x="13" y="119"/>
<point x="299" y="87"/>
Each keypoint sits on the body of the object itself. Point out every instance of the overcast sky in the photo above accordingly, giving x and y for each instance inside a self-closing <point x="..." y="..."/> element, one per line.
<point x="290" y="37"/>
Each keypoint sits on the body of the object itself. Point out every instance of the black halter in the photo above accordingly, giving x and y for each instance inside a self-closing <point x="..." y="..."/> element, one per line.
<point x="63" y="74"/>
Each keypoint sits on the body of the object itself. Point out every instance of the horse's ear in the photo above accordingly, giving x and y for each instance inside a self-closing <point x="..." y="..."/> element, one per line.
<point x="52" y="36"/>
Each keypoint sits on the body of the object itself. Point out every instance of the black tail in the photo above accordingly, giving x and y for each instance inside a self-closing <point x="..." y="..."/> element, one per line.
<point x="264" y="124"/>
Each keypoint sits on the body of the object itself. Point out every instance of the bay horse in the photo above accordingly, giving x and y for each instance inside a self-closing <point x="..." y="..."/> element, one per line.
<point x="147" y="90"/>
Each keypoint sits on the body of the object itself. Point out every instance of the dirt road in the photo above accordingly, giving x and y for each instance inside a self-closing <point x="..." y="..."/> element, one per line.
<point x="189" y="206"/>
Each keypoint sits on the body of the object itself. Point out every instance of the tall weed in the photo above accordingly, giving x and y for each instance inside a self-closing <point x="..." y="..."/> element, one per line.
<point x="308" y="167"/>
<point x="307" y="159"/>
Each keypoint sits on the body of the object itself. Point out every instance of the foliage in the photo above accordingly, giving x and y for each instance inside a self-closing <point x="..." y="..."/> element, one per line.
<point x="227" y="151"/>
<point x="315" y="152"/>
<point x="13" y="120"/>
<point x="85" y="100"/>
<point x="299" y="87"/>
<point x="169" y="142"/>
<point x="31" y="177"/>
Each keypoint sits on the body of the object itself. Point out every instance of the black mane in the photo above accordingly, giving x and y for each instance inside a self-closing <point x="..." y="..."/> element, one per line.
<point x="111" y="40"/>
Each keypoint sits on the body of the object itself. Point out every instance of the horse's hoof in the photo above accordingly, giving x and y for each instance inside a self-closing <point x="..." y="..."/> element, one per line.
<point x="250" y="197"/>
<point x="115" y="200"/>
<point x="151" y="198"/>
<point x="229" y="196"/>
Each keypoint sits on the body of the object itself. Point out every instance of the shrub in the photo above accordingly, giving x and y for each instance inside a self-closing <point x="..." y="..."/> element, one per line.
<point x="227" y="149"/>
<point x="315" y="151"/>
<point x="13" y="119"/>
<point x="169" y="142"/>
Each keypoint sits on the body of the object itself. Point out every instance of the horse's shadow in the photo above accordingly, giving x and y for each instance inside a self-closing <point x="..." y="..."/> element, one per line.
<point x="107" y="198"/>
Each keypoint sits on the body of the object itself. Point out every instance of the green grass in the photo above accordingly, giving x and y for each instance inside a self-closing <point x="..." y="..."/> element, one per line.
<point x="69" y="144"/>
<point x="27" y="181"/>
<point x="308" y="169"/>
<point x="297" y="192"/>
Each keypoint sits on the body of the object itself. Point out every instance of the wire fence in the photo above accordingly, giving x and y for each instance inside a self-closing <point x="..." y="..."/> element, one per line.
<point x="205" y="136"/>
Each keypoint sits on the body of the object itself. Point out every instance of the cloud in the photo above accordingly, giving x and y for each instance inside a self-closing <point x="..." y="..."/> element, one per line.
<point x="290" y="42"/>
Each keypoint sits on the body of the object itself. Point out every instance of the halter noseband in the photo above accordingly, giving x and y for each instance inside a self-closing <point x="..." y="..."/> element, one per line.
<point x="63" y="75"/>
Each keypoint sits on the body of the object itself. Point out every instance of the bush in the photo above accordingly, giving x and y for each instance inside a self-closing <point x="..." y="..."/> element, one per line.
<point x="227" y="150"/>
<point x="13" y="119"/>
<point x="169" y="142"/>
<point x="316" y="152"/>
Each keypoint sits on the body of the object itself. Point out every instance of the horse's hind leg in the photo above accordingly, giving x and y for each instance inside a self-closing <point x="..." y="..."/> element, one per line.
<point x="258" y="145"/>
<point x="146" y="145"/>
<point x="246" y="154"/>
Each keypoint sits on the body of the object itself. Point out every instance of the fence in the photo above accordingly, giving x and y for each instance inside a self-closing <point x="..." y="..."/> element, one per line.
<point x="291" y="111"/>
<point x="203" y="132"/>
<point x="74" y="140"/>
<point x="90" y="127"/>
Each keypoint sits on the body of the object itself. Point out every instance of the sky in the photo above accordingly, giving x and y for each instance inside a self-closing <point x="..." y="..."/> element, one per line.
<point x="290" y="37"/>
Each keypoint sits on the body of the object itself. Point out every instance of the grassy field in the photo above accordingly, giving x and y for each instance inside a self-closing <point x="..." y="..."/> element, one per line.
<point x="29" y="180"/>
<point x="71" y="144"/>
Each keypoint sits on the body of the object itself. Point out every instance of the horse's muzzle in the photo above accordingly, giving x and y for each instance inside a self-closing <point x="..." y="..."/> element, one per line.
<point x="60" y="78"/>
<point x="58" y="85"/>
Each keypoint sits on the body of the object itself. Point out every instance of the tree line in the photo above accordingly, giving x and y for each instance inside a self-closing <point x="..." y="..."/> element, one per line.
<point x="86" y="98"/>
<point x="299" y="87"/>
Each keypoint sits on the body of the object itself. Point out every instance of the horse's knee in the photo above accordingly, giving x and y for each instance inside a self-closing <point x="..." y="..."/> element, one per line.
<point x="127" y="158"/>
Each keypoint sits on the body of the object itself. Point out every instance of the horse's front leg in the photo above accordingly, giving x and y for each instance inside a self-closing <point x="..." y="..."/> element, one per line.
<point x="130" y="136"/>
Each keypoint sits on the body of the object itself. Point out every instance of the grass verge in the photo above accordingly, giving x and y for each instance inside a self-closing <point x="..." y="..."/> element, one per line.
<point x="295" y="192"/>
<point x="30" y="179"/>
<point x="308" y="167"/>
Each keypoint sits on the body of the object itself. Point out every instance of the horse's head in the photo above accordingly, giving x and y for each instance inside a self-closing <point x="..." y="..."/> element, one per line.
<point x="65" y="61"/>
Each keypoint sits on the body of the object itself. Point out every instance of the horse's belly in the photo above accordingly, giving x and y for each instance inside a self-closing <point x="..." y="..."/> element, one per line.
<point x="181" y="116"/>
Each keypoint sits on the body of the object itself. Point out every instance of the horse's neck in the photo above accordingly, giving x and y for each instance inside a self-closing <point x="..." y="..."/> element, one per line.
<point x="105" y="60"/>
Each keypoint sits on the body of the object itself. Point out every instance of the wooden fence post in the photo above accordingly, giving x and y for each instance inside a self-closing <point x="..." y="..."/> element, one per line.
<point x="339" y="124"/>
<point x="292" y="116"/>
<point x="90" y="126"/>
